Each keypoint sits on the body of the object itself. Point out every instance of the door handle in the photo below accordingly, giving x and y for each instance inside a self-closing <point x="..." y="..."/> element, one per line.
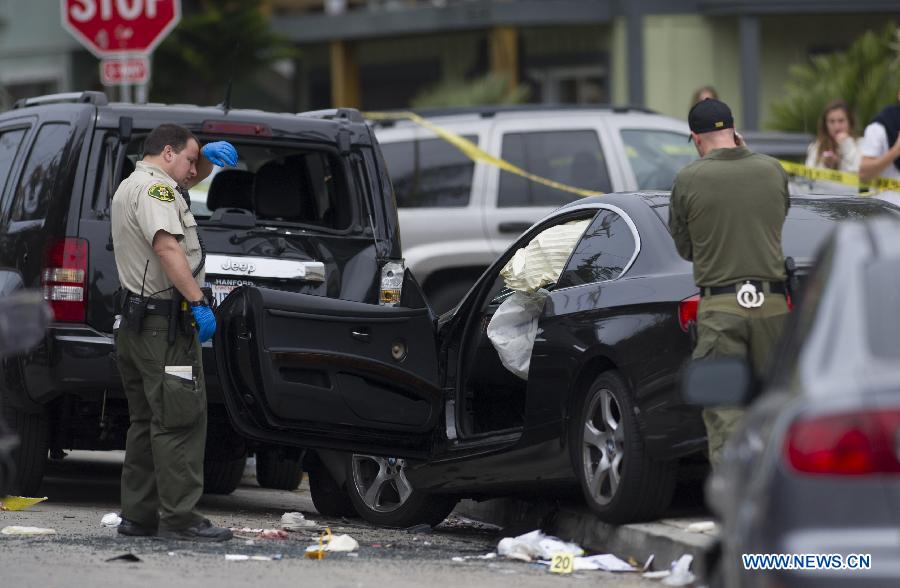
<point x="360" y="335"/>
<point x="513" y="227"/>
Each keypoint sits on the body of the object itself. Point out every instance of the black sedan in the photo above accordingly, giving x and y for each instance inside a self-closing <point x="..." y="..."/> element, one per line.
<point x="410" y="412"/>
<point x="812" y="475"/>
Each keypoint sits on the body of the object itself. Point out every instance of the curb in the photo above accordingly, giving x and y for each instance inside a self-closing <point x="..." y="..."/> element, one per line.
<point x="666" y="539"/>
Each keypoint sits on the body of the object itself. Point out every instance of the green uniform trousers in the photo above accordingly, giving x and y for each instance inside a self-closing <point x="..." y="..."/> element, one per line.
<point x="162" y="477"/>
<point x="725" y="328"/>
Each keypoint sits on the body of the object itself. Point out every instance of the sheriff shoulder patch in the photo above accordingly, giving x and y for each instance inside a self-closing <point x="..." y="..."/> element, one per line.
<point x="161" y="192"/>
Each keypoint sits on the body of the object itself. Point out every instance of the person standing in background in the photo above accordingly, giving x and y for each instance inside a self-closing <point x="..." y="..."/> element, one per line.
<point x="880" y="150"/>
<point x="835" y="146"/>
<point x="702" y="93"/>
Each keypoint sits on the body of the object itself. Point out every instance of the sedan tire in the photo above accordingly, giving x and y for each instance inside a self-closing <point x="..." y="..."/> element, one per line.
<point x="382" y="494"/>
<point x="619" y="480"/>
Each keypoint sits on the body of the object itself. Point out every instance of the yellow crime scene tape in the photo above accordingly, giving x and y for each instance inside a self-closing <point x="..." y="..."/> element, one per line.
<point x="473" y="152"/>
<point x="839" y="177"/>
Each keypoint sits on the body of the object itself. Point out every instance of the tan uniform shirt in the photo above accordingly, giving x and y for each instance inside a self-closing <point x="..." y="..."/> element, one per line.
<point x="148" y="201"/>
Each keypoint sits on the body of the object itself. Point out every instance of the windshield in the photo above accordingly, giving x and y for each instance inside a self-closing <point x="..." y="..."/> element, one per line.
<point x="809" y="221"/>
<point x="657" y="156"/>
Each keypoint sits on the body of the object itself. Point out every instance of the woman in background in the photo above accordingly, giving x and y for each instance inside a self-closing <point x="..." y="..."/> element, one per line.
<point x="835" y="146"/>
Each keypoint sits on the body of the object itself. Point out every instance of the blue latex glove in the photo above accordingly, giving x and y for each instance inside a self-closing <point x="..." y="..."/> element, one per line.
<point x="206" y="321"/>
<point x="221" y="153"/>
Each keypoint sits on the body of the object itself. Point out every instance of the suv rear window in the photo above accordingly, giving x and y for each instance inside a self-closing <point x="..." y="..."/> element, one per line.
<point x="429" y="172"/>
<point x="41" y="172"/>
<point x="571" y="157"/>
<point x="281" y="185"/>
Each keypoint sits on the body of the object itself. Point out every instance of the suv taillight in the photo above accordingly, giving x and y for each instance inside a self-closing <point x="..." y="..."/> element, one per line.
<point x="846" y="444"/>
<point x="687" y="312"/>
<point x="391" y="283"/>
<point x="63" y="280"/>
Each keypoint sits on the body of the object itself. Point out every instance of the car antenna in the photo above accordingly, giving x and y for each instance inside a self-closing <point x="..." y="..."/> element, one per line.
<point x="225" y="105"/>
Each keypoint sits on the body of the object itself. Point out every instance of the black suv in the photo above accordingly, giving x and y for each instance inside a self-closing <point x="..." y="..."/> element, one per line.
<point x="309" y="208"/>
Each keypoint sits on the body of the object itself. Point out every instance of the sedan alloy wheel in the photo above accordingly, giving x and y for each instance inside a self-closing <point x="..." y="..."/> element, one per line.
<point x="619" y="479"/>
<point x="383" y="495"/>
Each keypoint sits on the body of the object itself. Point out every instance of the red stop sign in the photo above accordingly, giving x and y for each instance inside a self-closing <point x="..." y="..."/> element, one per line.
<point x="114" y="27"/>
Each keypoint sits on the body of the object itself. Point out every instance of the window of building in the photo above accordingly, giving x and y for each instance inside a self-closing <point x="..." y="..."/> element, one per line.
<point x="9" y="146"/>
<point x="602" y="254"/>
<point x="41" y="171"/>
<point x="657" y="156"/>
<point x="429" y="173"/>
<point x="570" y="157"/>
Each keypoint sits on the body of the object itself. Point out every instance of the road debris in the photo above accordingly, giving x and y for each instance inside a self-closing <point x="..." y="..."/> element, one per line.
<point x="468" y="557"/>
<point x="243" y="557"/>
<point x="331" y="543"/>
<point x="111" y="520"/>
<point x="679" y="574"/>
<point x="248" y="533"/>
<point x="535" y="546"/>
<point x="605" y="562"/>
<point x="129" y="557"/>
<point x="17" y="530"/>
<point x="295" y="521"/>
<point x="19" y="502"/>
<point x="423" y="528"/>
<point x="701" y="527"/>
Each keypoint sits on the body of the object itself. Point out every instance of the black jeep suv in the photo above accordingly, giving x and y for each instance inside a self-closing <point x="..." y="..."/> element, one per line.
<point x="309" y="208"/>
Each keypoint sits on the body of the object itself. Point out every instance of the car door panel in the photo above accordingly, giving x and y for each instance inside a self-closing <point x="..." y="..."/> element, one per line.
<point x="319" y="372"/>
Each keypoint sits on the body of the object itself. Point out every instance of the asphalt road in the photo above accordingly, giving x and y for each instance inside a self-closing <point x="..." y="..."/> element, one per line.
<point x="84" y="487"/>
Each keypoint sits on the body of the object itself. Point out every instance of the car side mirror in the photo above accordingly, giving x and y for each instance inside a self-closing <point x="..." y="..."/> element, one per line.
<point x="24" y="318"/>
<point x="726" y="381"/>
<point x="411" y="295"/>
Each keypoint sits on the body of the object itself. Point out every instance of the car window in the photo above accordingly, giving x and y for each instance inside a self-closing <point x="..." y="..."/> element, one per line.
<point x="657" y="156"/>
<point x="429" y="172"/>
<point x="602" y="254"/>
<point x="282" y="185"/>
<point x="882" y="295"/>
<point x="801" y="321"/>
<point x="42" y="168"/>
<point x="571" y="157"/>
<point x="9" y="146"/>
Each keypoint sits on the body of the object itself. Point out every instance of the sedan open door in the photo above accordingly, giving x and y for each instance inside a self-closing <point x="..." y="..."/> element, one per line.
<point x="316" y="372"/>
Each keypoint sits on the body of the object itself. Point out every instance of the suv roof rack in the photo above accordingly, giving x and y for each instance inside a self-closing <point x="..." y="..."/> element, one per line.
<point x="351" y="114"/>
<point x="95" y="98"/>
<point x="493" y="110"/>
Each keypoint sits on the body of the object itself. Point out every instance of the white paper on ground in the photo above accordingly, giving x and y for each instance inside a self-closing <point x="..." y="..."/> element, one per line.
<point x="185" y="372"/>
<point x="111" y="520"/>
<point x="17" y="530"/>
<point x="701" y="527"/>
<point x="681" y="572"/>
<point x="535" y="545"/>
<point x="342" y="543"/>
<point x="295" y="521"/>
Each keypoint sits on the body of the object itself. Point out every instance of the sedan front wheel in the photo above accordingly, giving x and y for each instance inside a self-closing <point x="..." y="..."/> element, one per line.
<point x="619" y="480"/>
<point x="382" y="494"/>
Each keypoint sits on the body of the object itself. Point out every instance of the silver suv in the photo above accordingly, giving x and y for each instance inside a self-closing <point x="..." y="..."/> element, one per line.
<point x="457" y="216"/>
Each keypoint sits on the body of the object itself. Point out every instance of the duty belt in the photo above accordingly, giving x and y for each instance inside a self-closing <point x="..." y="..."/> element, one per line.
<point x="749" y="293"/>
<point x="147" y="305"/>
<point x="759" y="286"/>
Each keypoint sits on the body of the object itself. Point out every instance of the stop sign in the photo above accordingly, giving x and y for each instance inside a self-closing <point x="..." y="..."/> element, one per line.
<point x="115" y="27"/>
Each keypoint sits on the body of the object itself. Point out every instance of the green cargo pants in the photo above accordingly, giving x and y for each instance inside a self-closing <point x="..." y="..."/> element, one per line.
<point x="162" y="477"/>
<point x="725" y="328"/>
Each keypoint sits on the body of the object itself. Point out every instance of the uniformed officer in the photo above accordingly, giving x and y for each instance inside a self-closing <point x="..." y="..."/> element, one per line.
<point x="727" y="212"/>
<point x="160" y="260"/>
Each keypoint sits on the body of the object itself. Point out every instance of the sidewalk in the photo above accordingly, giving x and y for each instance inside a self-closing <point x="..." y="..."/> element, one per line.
<point x="666" y="539"/>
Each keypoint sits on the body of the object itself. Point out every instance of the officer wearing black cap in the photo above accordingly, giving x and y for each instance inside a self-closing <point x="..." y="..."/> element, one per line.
<point x="727" y="212"/>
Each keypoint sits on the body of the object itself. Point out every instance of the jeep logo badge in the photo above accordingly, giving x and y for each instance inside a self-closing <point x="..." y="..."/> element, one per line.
<point x="238" y="266"/>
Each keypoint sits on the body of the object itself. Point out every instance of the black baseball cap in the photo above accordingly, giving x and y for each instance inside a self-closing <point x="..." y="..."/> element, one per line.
<point x="710" y="115"/>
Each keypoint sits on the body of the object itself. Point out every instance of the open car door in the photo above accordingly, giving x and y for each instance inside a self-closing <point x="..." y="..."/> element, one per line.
<point x="316" y="372"/>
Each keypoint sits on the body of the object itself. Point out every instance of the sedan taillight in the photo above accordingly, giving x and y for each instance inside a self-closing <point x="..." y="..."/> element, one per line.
<point x="63" y="279"/>
<point x="687" y="312"/>
<point x="391" y="283"/>
<point x="846" y="444"/>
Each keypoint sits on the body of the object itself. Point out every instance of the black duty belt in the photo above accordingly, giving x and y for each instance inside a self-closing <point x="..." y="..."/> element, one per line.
<point x="761" y="286"/>
<point x="148" y="305"/>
